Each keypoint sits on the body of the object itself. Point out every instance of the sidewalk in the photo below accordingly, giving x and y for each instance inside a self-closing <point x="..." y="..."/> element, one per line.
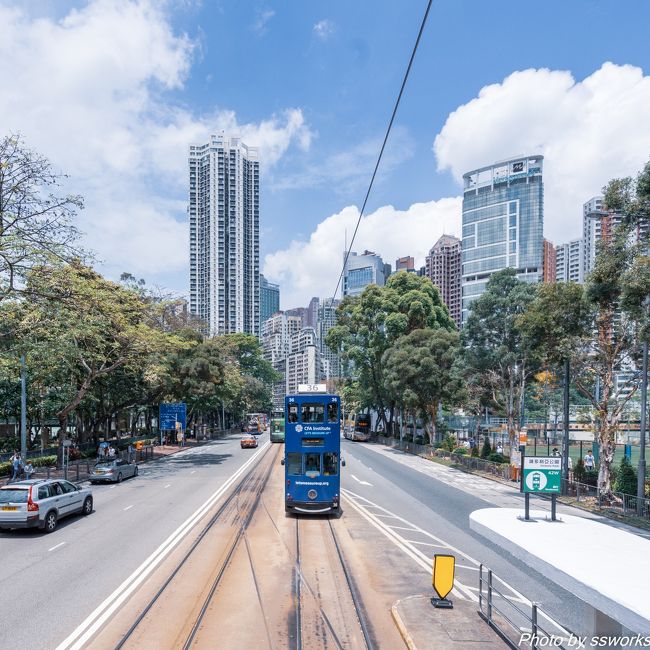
<point x="423" y="627"/>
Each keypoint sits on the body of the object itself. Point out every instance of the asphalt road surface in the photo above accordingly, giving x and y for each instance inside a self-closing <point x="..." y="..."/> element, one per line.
<point x="50" y="583"/>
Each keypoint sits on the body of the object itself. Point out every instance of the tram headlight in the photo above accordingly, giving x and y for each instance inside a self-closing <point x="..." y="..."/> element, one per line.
<point x="312" y="494"/>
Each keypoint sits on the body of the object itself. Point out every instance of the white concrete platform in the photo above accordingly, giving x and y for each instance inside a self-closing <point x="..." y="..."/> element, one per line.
<point x="604" y="566"/>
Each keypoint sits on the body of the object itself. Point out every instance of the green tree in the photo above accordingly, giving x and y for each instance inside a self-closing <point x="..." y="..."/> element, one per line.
<point x="370" y="323"/>
<point x="419" y="372"/>
<point x="77" y="327"/>
<point x="600" y="327"/>
<point x="626" y="481"/>
<point x="494" y="346"/>
<point x="35" y="224"/>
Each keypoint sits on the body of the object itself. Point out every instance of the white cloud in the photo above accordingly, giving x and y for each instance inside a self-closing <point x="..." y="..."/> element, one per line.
<point x="311" y="268"/>
<point x="350" y="170"/>
<point x="262" y="20"/>
<point x="589" y="131"/>
<point x="323" y="29"/>
<point x="91" y="92"/>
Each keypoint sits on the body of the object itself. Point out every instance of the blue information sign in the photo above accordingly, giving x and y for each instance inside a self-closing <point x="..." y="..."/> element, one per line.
<point x="170" y="414"/>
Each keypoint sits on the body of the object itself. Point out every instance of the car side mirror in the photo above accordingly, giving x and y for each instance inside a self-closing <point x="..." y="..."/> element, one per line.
<point x="343" y="462"/>
<point x="282" y="462"/>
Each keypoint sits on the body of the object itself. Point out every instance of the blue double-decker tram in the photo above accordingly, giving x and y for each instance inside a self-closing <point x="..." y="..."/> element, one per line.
<point x="312" y="449"/>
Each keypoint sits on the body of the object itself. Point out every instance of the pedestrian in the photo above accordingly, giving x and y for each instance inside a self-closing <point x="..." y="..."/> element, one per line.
<point x="29" y="470"/>
<point x="15" y="466"/>
<point x="590" y="461"/>
<point x="111" y="451"/>
<point x="472" y="442"/>
<point x="499" y="448"/>
<point x="130" y="452"/>
<point x="555" y="452"/>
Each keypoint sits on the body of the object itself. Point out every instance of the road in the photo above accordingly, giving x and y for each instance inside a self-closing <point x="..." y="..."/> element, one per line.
<point x="438" y="500"/>
<point x="50" y="583"/>
<point x="399" y="510"/>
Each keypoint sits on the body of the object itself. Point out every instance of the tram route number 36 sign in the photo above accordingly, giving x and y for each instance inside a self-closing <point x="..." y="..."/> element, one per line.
<point x="542" y="474"/>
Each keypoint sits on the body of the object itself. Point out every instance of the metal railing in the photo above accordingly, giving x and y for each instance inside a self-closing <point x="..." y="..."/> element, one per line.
<point x="518" y="622"/>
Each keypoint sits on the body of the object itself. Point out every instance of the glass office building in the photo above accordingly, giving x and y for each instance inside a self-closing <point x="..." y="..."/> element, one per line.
<point x="269" y="299"/>
<point x="503" y="220"/>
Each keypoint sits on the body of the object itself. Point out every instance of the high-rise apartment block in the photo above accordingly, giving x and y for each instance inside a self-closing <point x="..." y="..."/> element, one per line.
<point x="404" y="264"/>
<point x="276" y="335"/>
<point x="325" y="321"/>
<point x="443" y="268"/>
<point x="503" y="220"/>
<point x="224" y="214"/>
<point x="570" y="262"/>
<point x="362" y="270"/>
<point x="550" y="262"/>
<point x="269" y="299"/>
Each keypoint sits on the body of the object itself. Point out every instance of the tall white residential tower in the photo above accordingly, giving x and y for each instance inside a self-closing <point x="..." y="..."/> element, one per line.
<point x="224" y="216"/>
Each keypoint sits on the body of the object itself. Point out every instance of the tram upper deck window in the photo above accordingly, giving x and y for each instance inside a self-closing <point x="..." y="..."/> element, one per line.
<point x="332" y="412"/>
<point x="293" y="413"/>
<point x="294" y="464"/>
<point x="330" y="464"/>
<point x="314" y="412"/>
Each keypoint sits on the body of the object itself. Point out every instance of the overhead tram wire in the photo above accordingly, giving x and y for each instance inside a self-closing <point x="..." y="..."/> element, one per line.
<point x="383" y="146"/>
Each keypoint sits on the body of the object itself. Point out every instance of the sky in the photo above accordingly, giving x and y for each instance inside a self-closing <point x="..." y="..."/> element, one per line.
<point x="114" y="91"/>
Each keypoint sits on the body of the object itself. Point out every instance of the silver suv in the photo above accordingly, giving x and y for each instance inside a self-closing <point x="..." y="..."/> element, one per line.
<point x="41" y="503"/>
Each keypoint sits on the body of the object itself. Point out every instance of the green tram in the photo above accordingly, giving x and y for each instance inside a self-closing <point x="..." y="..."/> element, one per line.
<point x="277" y="429"/>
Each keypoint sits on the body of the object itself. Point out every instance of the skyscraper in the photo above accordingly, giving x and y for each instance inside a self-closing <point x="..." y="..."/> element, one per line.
<point x="443" y="268"/>
<point x="362" y="270"/>
<point x="224" y="213"/>
<point x="269" y="299"/>
<point x="503" y="219"/>
<point x="325" y="321"/>
<point x="550" y="262"/>
<point x="570" y="261"/>
<point x="404" y="264"/>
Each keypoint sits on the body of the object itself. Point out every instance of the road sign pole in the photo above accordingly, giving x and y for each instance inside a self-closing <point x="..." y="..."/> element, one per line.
<point x="553" y="506"/>
<point x="527" y="506"/>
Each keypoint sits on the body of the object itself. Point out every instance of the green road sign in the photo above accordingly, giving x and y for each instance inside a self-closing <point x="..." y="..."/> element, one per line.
<point x="542" y="474"/>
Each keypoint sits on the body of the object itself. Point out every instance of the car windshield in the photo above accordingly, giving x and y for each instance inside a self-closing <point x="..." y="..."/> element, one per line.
<point x="13" y="495"/>
<point x="105" y="465"/>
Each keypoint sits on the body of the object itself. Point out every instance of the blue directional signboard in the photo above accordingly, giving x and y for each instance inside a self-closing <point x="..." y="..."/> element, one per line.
<point x="170" y="414"/>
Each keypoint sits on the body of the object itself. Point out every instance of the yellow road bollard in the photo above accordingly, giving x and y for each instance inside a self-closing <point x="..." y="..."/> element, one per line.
<point x="443" y="580"/>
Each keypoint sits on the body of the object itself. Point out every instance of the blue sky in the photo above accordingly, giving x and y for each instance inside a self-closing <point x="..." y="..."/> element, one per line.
<point x="113" y="91"/>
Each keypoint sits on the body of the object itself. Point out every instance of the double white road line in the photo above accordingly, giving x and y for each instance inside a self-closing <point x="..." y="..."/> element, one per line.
<point x="84" y="632"/>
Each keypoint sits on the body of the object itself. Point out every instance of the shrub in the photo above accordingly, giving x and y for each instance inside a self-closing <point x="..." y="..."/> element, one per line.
<point x="626" y="481"/>
<point x="460" y="451"/>
<point x="497" y="458"/>
<point x="591" y="477"/>
<point x="449" y="442"/>
<point x="486" y="450"/>
<point x="474" y="451"/>
<point x="579" y="471"/>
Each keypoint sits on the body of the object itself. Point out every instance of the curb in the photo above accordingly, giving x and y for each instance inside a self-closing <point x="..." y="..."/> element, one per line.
<point x="407" y="638"/>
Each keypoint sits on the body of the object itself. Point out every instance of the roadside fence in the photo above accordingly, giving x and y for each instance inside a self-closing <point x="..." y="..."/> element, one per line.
<point x="515" y="620"/>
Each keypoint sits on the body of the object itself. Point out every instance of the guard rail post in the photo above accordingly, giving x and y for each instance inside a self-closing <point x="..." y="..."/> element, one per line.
<point x="534" y="630"/>
<point x="489" y="596"/>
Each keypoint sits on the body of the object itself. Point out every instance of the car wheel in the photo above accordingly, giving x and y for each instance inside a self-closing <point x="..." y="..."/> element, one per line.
<point x="49" y="525"/>
<point x="119" y="477"/>
<point x="88" y="506"/>
<point x="135" y="471"/>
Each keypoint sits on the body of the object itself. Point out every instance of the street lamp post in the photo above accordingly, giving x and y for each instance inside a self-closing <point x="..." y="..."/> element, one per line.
<point x="565" y="450"/>
<point x="23" y="408"/>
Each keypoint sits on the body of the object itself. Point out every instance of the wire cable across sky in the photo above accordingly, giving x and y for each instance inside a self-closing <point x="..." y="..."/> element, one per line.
<point x="383" y="146"/>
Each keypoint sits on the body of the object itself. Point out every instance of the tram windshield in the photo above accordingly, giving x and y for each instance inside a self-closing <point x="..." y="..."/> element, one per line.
<point x="293" y="413"/>
<point x="332" y="412"/>
<point x="294" y="464"/>
<point x="312" y="465"/>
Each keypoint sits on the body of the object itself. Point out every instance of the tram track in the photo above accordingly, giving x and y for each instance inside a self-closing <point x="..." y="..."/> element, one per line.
<point x="348" y="637"/>
<point x="252" y="484"/>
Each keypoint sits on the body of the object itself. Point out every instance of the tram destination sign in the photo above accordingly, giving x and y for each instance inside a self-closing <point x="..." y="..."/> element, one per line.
<point x="542" y="474"/>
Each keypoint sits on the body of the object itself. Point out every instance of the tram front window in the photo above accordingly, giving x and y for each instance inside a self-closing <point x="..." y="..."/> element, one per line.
<point x="293" y="413"/>
<point x="313" y="413"/>
<point x="330" y="464"/>
<point x="332" y="412"/>
<point x="312" y="465"/>
<point x="294" y="464"/>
